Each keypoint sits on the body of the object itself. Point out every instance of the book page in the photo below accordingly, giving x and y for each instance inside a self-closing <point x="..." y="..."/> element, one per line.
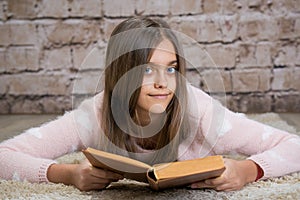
<point x="188" y="167"/>
<point x="115" y="162"/>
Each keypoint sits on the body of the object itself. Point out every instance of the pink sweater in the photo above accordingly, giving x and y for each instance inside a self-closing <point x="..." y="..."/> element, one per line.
<point x="214" y="130"/>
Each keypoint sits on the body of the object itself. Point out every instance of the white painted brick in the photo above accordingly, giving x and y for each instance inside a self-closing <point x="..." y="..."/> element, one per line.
<point x="297" y="59"/>
<point x="263" y="54"/>
<point x="2" y="13"/>
<point x="22" y="58"/>
<point x="4" y="84"/>
<point x="231" y="7"/>
<point x="72" y="31"/>
<point x="197" y="57"/>
<point x="229" y="28"/>
<point x="22" y="33"/>
<point x="251" y="55"/>
<point x="108" y="26"/>
<point x="193" y="77"/>
<point x="3" y="64"/>
<point x="256" y="27"/>
<point x="286" y="55"/>
<point x="85" y="8"/>
<point x="211" y="6"/>
<point x="57" y="58"/>
<point x="216" y="81"/>
<point x="283" y="79"/>
<point x="296" y="82"/>
<point x="87" y="82"/>
<point x="246" y="55"/>
<point x="89" y="58"/>
<point x="188" y="7"/>
<point x="53" y="8"/>
<point x="297" y="26"/>
<point x="40" y="37"/>
<point x="5" y="38"/>
<point x="116" y="8"/>
<point x="252" y="80"/>
<point x="35" y="84"/>
<point x="186" y="26"/>
<point x="208" y="29"/>
<point x="43" y="29"/>
<point x="286" y="27"/>
<point x="223" y="56"/>
<point x="22" y="9"/>
<point x="148" y="7"/>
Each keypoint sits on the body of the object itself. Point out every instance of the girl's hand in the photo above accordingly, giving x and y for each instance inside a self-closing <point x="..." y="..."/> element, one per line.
<point x="236" y="175"/>
<point x="86" y="177"/>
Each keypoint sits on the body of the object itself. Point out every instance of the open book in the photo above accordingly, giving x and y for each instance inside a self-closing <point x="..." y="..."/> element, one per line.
<point x="159" y="176"/>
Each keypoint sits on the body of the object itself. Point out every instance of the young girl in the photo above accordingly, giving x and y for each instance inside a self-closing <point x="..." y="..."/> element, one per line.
<point x="148" y="112"/>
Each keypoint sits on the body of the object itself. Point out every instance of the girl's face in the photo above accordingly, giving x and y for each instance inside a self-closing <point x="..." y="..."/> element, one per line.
<point x="159" y="82"/>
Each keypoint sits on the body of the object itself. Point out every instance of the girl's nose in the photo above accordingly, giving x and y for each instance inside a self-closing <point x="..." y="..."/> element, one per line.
<point x="160" y="81"/>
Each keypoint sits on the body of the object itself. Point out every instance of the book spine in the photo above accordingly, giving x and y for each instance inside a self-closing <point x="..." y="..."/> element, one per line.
<point x="152" y="180"/>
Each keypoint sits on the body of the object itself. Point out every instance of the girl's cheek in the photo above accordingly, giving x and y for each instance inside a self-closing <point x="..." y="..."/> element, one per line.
<point x="148" y="80"/>
<point x="172" y="85"/>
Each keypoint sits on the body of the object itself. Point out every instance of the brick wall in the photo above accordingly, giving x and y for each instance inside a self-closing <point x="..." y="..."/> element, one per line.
<point x="254" y="43"/>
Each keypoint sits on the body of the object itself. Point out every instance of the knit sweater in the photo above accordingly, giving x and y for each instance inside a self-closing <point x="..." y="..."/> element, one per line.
<point x="214" y="130"/>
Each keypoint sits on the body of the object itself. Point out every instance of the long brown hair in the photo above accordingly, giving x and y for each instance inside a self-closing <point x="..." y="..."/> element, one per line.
<point x="132" y="44"/>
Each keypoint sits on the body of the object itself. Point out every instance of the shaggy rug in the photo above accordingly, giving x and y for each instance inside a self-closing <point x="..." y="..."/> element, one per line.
<point x="286" y="187"/>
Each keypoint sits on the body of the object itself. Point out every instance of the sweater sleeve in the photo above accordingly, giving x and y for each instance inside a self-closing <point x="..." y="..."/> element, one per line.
<point x="277" y="152"/>
<point x="29" y="155"/>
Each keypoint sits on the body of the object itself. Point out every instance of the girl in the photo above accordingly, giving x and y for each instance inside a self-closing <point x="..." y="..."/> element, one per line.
<point x="148" y="112"/>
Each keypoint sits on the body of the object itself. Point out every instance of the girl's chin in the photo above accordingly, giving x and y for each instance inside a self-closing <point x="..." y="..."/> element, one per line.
<point x="157" y="109"/>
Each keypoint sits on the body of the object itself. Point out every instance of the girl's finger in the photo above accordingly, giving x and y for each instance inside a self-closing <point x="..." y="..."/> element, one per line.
<point x="226" y="187"/>
<point x="97" y="186"/>
<point x="200" y="185"/>
<point x="96" y="180"/>
<point x="100" y="173"/>
<point x="215" y="181"/>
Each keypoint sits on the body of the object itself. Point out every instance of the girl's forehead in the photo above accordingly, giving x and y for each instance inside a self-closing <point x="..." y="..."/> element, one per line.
<point x="166" y="45"/>
<point x="164" y="54"/>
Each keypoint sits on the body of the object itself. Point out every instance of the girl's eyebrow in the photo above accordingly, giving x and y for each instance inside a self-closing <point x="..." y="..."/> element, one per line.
<point x="170" y="63"/>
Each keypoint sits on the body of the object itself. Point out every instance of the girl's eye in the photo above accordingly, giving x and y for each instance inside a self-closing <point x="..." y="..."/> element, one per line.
<point x="171" y="70"/>
<point x="148" y="70"/>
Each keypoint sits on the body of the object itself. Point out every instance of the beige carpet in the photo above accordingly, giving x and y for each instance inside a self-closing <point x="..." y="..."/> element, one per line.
<point x="287" y="187"/>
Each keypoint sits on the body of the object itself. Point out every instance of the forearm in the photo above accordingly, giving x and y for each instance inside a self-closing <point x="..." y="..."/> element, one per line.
<point x="20" y="166"/>
<point x="61" y="173"/>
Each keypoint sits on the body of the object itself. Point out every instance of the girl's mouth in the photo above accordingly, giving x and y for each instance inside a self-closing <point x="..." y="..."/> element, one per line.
<point x="159" y="96"/>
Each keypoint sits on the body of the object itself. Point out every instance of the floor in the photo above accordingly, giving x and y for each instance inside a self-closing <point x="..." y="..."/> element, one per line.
<point x="12" y="125"/>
